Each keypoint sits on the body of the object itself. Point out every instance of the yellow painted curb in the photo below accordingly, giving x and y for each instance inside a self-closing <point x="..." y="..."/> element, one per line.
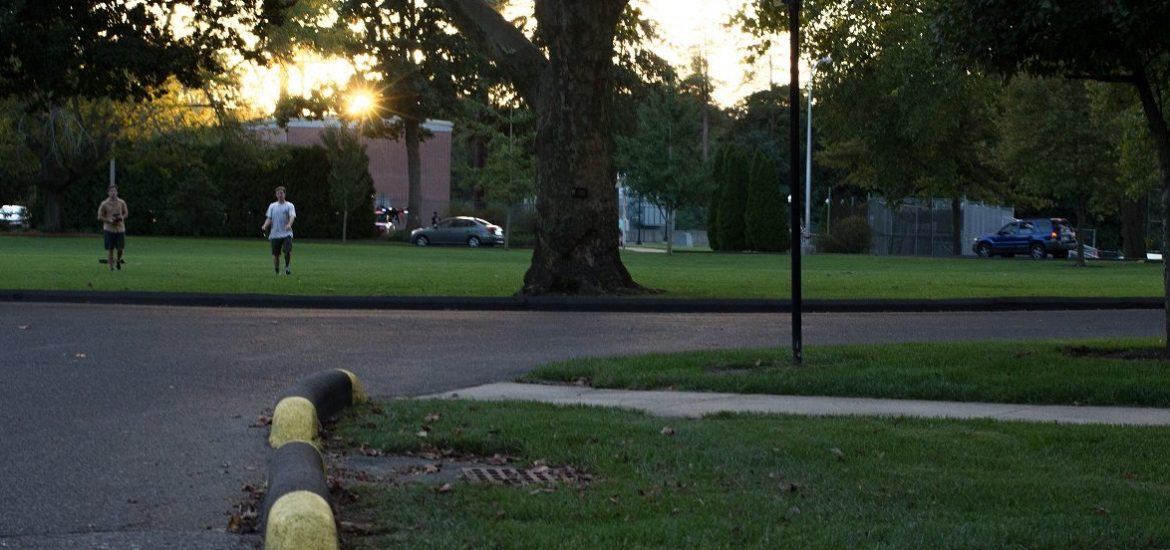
<point x="359" y="393"/>
<point x="294" y="419"/>
<point x="300" y="520"/>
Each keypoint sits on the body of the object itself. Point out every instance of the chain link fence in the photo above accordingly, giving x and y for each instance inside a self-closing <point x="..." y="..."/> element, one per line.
<point x="922" y="227"/>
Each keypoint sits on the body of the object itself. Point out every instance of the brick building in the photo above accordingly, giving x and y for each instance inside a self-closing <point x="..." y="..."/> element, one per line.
<point x="388" y="161"/>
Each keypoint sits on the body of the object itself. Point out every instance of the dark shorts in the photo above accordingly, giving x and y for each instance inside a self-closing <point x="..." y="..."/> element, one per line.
<point x="281" y="245"/>
<point x="115" y="240"/>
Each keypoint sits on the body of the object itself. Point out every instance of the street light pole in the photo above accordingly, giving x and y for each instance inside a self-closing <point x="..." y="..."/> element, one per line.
<point x="808" y="146"/>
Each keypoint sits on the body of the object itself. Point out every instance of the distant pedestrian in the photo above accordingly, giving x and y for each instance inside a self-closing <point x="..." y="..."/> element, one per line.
<point x="280" y="217"/>
<point x="112" y="213"/>
<point x="435" y="219"/>
<point x="392" y="217"/>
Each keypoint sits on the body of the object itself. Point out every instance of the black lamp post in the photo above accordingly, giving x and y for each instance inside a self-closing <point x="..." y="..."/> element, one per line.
<point x="794" y="172"/>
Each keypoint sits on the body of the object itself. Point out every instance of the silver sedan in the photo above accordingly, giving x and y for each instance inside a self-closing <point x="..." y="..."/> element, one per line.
<point x="463" y="230"/>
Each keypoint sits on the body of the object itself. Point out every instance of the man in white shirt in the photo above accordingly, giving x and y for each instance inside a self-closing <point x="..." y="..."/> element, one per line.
<point x="280" y="217"/>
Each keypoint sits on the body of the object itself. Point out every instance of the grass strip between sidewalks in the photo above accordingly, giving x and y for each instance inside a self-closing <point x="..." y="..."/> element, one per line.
<point x="779" y="481"/>
<point x="1027" y="372"/>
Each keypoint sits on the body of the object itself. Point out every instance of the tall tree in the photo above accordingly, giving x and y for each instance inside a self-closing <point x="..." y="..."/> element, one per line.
<point x="766" y="214"/>
<point x="716" y="171"/>
<point x="1118" y="110"/>
<point x="423" y="68"/>
<point x="759" y="123"/>
<point x="733" y="198"/>
<point x="663" y="159"/>
<point x="699" y="85"/>
<point x="1053" y="146"/>
<point x="1121" y="41"/>
<point x="901" y="120"/>
<point x="68" y="142"/>
<point x="509" y="171"/>
<point x="16" y="163"/>
<point x="350" y="184"/>
<point x="571" y="92"/>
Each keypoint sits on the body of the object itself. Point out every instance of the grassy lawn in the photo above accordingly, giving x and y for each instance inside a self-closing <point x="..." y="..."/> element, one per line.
<point x="756" y="481"/>
<point x="379" y="268"/>
<point x="781" y="481"/>
<point x="1016" y="372"/>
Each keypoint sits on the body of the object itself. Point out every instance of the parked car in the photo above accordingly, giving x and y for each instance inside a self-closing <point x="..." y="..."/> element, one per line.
<point x="459" y="230"/>
<point x="1036" y="237"/>
<point x="14" y="215"/>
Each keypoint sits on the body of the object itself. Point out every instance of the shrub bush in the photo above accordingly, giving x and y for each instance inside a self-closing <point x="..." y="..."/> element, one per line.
<point x="848" y="236"/>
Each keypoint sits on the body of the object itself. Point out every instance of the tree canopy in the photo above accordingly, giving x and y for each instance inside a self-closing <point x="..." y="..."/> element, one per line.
<point x="662" y="160"/>
<point x="1121" y="41"/>
<point x="118" y="50"/>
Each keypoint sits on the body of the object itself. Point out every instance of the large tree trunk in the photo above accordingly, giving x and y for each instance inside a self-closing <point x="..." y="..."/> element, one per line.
<point x="1161" y="137"/>
<point x="54" y="208"/>
<point x="577" y="241"/>
<point x="70" y="142"/>
<point x="576" y="195"/>
<point x="413" y="175"/>
<point x="1133" y="228"/>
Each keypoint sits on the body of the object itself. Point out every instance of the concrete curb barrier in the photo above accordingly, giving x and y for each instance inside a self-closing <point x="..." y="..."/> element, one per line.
<point x="299" y="410"/>
<point x="296" y="513"/>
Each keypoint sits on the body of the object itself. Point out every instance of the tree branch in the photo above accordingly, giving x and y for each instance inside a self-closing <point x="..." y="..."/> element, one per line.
<point x="516" y="56"/>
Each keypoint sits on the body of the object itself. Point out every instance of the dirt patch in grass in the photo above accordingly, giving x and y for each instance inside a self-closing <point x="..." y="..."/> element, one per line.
<point x="1132" y="354"/>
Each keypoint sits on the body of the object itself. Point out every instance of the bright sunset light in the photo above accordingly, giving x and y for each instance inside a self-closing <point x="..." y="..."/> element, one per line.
<point x="360" y="103"/>
<point x="688" y="28"/>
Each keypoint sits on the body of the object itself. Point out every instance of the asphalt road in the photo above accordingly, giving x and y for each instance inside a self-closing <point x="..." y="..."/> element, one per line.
<point x="136" y="426"/>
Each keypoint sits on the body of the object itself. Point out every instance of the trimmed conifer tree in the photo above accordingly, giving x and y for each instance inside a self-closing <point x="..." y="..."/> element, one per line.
<point x="766" y="218"/>
<point x="733" y="201"/>
<point x="713" y="204"/>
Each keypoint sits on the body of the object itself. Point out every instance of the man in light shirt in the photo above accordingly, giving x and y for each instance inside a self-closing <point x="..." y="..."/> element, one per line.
<point x="280" y="217"/>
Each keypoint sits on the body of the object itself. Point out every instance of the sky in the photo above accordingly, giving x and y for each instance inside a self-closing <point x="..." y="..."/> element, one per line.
<point x="688" y="27"/>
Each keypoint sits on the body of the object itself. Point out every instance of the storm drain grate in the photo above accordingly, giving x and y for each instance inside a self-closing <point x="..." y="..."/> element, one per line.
<point x="512" y="476"/>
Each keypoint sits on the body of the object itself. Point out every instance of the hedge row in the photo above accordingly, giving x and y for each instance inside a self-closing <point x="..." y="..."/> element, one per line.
<point x="217" y="188"/>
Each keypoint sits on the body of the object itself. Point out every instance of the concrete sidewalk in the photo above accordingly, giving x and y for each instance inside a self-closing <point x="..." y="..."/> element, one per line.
<point x="696" y="404"/>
